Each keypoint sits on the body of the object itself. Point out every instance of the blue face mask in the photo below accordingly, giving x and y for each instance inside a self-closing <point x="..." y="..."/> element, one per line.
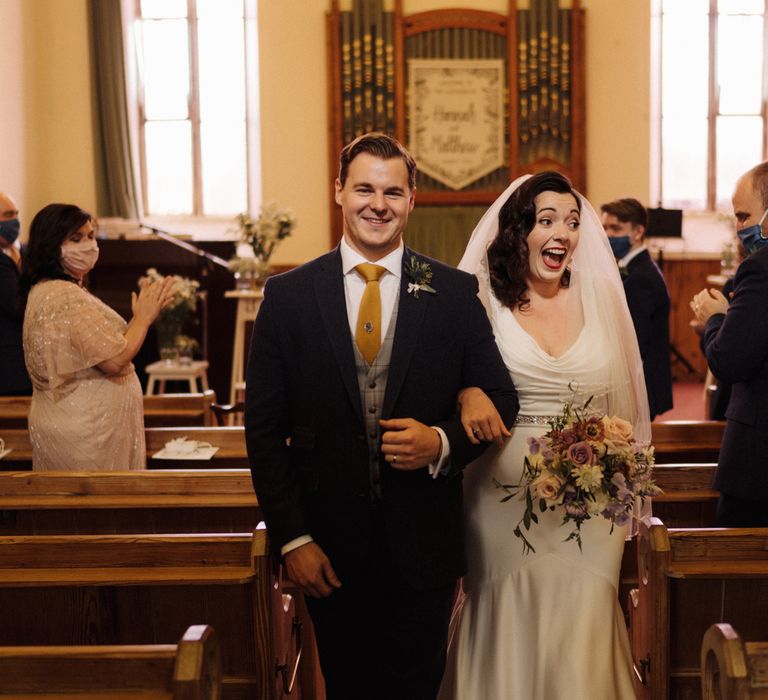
<point x="9" y="230"/>
<point x="620" y="245"/>
<point x="752" y="237"/>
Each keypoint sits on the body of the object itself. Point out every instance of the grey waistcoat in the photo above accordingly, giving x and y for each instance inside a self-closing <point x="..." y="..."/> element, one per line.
<point x="372" y="380"/>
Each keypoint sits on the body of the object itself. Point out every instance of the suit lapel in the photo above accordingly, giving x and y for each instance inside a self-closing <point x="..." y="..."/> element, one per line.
<point x="410" y="317"/>
<point x="329" y="291"/>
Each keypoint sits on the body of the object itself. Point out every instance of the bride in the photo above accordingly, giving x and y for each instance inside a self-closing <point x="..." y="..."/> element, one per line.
<point x="548" y="624"/>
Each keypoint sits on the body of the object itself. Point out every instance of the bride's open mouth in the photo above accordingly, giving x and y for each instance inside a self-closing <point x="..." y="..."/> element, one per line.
<point x="553" y="257"/>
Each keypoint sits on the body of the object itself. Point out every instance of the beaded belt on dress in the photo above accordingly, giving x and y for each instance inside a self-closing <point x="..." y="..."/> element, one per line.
<point x="534" y="420"/>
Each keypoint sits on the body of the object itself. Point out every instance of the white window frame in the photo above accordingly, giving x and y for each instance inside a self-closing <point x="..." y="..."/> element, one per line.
<point x="657" y="145"/>
<point x="198" y="219"/>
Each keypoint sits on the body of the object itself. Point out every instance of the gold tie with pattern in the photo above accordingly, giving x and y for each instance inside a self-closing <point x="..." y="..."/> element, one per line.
<point x="368" y="328"/>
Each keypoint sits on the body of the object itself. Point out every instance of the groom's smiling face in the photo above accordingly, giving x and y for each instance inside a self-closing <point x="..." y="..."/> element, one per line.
<point x="375" y="203"/>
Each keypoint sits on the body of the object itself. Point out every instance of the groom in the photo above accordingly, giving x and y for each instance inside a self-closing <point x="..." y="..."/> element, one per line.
<point x="356" y="448"/>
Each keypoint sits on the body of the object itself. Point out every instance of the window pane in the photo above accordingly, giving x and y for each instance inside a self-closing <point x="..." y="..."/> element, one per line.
<point x="169" y="167"/>
<point x="222" y="68"/>
<point x="739" y="147"/>
<point x="224" y="170"/>
<point x="685" y="56"/>
<point x="740" y="64"/>
<point x="163" y="8"/>
<point x="213" y="8"/>
<point x="166" y="69"/>
<point x="686" y="7"/>
<point x="684" y="164"/>
<point x="752" y="7"/>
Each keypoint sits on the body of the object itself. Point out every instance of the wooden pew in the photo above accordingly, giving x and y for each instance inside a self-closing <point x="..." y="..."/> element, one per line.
<point x="189" y="670"/>
<point x="690" y="579"/>
<point x="159" y="411"/>
<point x="732" y="668"/>
<point x="687" y="441"/>
<point x="147" y="589"/>
<point x="688" y="501"/>
<point x="230" y="440"/>
<point x="131" y="502"/>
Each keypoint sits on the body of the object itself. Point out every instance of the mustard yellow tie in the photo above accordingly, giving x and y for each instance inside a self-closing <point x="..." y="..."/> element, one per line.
<point x="368" y="328"/>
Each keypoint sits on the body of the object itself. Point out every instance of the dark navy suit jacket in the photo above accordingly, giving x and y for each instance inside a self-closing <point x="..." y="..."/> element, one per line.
<point x="736" y="347"/>
<point x="304" y="424"/>
<point x="13" y="372"/>
<point x="648" y="301"/>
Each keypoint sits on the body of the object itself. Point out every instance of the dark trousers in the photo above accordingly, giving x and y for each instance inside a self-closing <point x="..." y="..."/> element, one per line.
<point x="737" y="512"/>
<point x="377" y="637"/>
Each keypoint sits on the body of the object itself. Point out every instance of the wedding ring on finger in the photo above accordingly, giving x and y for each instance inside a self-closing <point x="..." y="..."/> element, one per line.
<point x="394" y="459"/>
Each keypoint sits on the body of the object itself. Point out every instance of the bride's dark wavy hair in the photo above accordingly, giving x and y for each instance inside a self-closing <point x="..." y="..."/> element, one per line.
<point x="508" y="254"/>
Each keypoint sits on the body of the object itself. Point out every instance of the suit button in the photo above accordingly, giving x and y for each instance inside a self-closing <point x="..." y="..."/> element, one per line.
<point x="362" y="496"/>
<point x="372" y="385"/>
<point x="373" y="434"/>
<point x="372" y="409"/>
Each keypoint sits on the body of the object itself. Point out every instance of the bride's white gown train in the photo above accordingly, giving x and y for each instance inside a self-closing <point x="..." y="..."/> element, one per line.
<point x="543" y="625"/>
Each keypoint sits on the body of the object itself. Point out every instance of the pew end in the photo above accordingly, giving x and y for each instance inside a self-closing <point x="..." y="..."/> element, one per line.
<point x="732" y="668"/>
<point x="189" y="670"/>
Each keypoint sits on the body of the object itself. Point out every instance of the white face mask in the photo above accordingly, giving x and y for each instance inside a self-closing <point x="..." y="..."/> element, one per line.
<point x="78" y="259"/>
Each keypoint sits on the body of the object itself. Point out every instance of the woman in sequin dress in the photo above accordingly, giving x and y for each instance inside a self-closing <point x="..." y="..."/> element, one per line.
<point x="87" y="407"/>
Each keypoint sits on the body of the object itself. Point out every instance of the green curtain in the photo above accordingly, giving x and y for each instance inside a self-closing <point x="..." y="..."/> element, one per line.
<point x="118" y="190"/>
<point x="442" y="232"/>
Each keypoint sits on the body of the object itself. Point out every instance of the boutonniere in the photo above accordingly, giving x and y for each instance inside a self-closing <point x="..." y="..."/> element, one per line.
<point x="420" y="274"/>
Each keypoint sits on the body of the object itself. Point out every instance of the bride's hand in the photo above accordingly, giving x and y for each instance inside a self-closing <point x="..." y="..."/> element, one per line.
<point x="480" y="418"/>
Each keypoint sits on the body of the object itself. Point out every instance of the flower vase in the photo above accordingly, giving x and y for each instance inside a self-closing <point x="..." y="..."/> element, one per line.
<point x="166" y="341"/>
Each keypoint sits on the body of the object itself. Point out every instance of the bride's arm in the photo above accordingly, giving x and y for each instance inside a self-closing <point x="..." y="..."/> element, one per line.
<point x="480" y="418"/>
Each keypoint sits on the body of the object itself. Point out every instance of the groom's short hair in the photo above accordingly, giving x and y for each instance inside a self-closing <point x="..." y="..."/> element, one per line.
<point x="379" y="145"/>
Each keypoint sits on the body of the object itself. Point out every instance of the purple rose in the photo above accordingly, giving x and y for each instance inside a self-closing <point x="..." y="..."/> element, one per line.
<point x="580" y="453"/>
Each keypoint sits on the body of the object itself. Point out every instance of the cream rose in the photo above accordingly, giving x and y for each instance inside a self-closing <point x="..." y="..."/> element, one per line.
<point x="547" y="486"/>
<point x="617" y="429"/>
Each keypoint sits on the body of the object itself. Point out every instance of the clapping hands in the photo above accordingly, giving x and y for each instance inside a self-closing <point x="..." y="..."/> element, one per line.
<point x="152" y="299"/>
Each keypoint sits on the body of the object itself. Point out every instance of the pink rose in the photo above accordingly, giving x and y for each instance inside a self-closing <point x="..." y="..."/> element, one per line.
<point x="580" y="453"/>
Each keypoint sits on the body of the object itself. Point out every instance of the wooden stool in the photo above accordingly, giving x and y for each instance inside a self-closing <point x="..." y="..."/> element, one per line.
<point x="161" y="372"/>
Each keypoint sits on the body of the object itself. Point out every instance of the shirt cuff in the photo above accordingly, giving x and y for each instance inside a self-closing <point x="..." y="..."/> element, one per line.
<point x="295" y="544"/>
<point x="441" y="464"/>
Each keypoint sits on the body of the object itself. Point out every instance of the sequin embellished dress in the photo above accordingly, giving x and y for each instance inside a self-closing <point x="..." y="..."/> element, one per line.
<point x="80" y="418"/>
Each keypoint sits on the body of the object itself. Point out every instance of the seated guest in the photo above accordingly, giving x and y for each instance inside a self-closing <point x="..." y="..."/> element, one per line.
<point x="14" y="380"/>
<point x="87" y="406"/>
<point x="624" y="220"/>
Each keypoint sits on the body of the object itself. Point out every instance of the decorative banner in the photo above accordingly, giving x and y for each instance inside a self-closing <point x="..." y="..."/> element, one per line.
<point x="457" y="118"/>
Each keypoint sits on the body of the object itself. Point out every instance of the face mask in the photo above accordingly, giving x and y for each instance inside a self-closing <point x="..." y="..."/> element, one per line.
<point x="752" y="236"/>
<point x="620" y="245"/>
<point x="9" y="230"/>
<point x="78" y="259"/>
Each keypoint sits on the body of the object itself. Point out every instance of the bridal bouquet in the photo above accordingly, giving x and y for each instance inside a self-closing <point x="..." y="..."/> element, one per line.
<point x="587" y="465"/>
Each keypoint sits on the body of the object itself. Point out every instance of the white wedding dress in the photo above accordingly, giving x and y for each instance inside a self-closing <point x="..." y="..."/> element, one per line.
<point x="543" y="625"/>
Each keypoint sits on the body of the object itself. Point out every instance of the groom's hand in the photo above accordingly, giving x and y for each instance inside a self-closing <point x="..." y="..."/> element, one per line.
<point x="309" y="568"/>
<point x="408" y="444"/>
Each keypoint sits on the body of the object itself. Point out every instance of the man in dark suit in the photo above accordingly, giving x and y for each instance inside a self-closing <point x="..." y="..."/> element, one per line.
<point x="355" y="446"/>
<point x="624" y="221"/>
<point x="735" y="343"/>
<point x="14" y="380"/>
